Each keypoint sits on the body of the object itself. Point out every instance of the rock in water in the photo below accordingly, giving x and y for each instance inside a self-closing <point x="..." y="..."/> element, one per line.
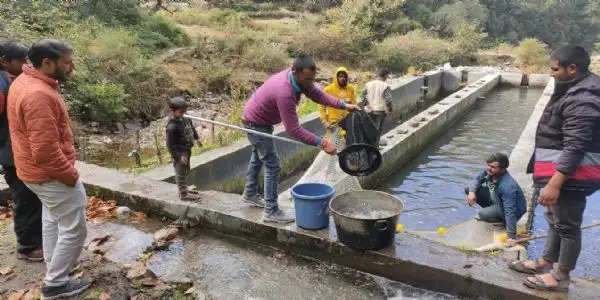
<point x="123" y="212"/>
<point x="166" y="234"/>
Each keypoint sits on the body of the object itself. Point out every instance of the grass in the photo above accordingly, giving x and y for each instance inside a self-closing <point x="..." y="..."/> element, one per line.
<point x="307" y="107"/>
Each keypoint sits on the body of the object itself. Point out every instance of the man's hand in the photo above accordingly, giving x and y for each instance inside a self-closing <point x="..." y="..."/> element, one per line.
<point x="352" y="107"/>
<point x="511" y="242"/>
<point x="184" y="160"/>
<point x="328" y="147"/>
<point x="551" y="192"/>
<point x="471" y="199"/>
<point x="549" y="195"/>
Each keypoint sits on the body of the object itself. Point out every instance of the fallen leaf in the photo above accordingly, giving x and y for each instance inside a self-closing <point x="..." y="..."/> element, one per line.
<point x="138" y="216"/>
<point x="104" y="296"/>
<point x="18" y="295"/>
<point x="100" y="209"/>
<point x="6" y="271"/>
<point x="33" y="294"/>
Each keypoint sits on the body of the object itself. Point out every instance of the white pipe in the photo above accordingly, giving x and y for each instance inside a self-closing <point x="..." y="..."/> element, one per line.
<point x="249" y="131"/>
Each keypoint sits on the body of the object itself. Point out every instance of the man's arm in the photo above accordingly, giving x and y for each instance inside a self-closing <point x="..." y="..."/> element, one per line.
<point x="476" y="183"/>
<point x="387" y="96"/>
<point x="317" y="95"/>
<point x="289" y="118"/>
<point x="363" y="98"/>
<point x="509" y="203"/>
<point x="579" y="120"/>
<point x="43" y="135"/>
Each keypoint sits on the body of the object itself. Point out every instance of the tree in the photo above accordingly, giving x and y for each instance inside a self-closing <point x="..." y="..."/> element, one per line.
<point x="449" y="18"/>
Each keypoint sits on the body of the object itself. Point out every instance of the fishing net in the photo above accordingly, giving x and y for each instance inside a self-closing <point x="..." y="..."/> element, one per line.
<point x="361" y="155"/>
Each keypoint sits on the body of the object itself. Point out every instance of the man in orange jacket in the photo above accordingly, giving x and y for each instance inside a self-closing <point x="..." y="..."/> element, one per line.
<point x="26" y="205"/>
<point x="44" y="155"/>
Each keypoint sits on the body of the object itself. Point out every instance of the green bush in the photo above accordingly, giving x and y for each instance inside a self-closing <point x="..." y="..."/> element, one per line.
<point x="532" y="56"/>
<point x="158" y="25"/>
<point x="467" y="40"/>
<point x="340" y="42"/>
<point x="112" y="12"/>
<point x="417" y="48"/>
<point x="188" y="16"/>
<point x="103" y="102"/>
<point x="267" y="57"/>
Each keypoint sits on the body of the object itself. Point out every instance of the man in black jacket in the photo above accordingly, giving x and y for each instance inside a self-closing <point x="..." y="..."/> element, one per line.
<point x="26" y="205"/>
<point x="566" y="163"/>
<point x="181" y="134"/>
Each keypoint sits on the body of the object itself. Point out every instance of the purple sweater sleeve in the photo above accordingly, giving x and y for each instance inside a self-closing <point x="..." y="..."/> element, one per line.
<point x="289" y="117"/>
<point x="317" y="95"/>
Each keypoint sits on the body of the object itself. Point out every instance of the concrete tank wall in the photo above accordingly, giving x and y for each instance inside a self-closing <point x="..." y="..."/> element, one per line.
<point x="412" y="136"/>
<point x="225" y="168"/>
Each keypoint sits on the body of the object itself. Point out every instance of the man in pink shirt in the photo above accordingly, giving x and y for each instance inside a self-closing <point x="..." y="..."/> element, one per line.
<point x="273" y="103"/>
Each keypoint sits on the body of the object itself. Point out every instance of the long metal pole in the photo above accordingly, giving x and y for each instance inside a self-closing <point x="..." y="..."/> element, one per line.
<point x="275" y="137"/>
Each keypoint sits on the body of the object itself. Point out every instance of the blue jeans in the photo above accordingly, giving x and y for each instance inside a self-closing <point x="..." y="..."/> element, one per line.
<point x="263" y="153"/>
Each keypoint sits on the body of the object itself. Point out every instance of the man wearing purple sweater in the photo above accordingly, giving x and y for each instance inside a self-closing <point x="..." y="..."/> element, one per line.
<point x="273" y="103"/>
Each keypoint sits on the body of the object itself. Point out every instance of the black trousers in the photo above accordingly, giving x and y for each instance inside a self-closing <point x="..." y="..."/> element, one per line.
<point x="28" y="213"/>
<point x="378" y="118"/>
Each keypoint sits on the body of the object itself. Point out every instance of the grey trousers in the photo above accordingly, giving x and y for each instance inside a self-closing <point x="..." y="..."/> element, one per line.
<point x="563" y="244"/>
<point x="490" y="211"/>
<point x="63" y="227"/>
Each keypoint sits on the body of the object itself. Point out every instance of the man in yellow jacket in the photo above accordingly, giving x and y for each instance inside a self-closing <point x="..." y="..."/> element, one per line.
<point x="341" y="89"/>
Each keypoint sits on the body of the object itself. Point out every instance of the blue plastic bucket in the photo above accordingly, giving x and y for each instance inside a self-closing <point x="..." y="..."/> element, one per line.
<point x="312" y="204"/>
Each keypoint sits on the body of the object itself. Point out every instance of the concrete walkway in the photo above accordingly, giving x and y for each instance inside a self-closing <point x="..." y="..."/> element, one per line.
<point x="411" y="259"/>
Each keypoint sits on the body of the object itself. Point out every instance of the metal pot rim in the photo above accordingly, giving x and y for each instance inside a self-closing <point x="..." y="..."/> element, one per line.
<point x="337" y="213"/>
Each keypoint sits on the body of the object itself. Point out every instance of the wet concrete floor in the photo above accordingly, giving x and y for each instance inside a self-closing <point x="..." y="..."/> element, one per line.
<point x="224" y="267"/>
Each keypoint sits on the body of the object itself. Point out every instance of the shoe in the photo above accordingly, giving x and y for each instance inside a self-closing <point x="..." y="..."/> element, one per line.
<point x="35" y="255"/>
<point x="278" y="216"/>
<point x="71" y="288"/>
<point x="256" y="202"/>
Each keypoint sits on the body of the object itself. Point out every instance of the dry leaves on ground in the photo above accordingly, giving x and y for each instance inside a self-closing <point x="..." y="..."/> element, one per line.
<point x="5" y="213"/>
<point x="33" y="294"/>
<point x="104" y="296"/>
<point x="138" y="217"/>
<point x="18" y="295"/>
<point x="99" y="209"/>
<point x="6" y="270"/>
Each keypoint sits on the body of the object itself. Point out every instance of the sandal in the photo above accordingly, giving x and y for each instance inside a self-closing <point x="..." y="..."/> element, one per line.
<point x="520" y="267"/>
<point x="540" y="285"/>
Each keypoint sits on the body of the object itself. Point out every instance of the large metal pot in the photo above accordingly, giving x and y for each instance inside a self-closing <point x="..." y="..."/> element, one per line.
<point x="366" y="220"/>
